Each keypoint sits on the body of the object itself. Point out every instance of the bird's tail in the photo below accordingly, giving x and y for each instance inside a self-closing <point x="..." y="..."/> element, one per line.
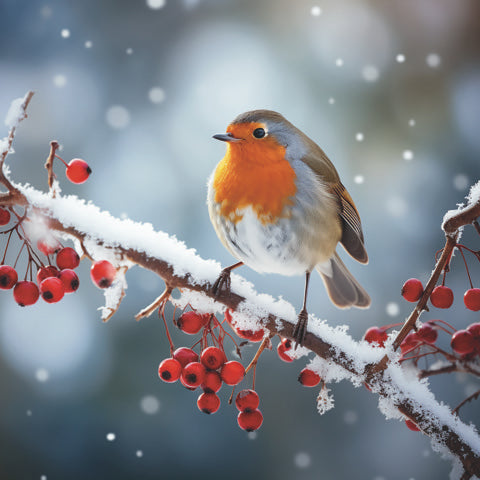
<point x="342" y="288"/>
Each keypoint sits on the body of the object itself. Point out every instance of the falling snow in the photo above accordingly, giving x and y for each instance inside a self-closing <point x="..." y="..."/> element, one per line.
<point x="316" y="11"/>
<point x="370" y="73"/>
<point x="42" y="375"/>
<point x="359" y="137"/>
<point x="155" y="4"/>
<point x="149" y="404"/>
<point x="110" y="437"/>
<point x="433" y="60"/>
<point x="60" y="80"/>
<point x="156" y="95"/>
<point x="392" y="309"/>
<point x="302" y="460"/>
<point x="407" y="155"/>
<point x="400" y="58"/>
<point x="65" y="33"/>
<point x="359" y="179"/>
<point x="117" y="117"/>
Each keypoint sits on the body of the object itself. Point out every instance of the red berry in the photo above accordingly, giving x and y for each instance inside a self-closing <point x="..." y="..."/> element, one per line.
<point x="193" y="374"/>
<point x="283" y="347"/>
<point x="410" y="342"/>
<point x="67" y="258"/>
<point x="213" y="358"/>
<point x="49" y="246"/>
<point x="78" y="170"/>
<point x="474" y="329"/>
<point x="192" y="322"/>
<point x="232" y="372"/>
<point x="309" y="378"/>
<point x="472" y="299"/>
<point x="26" y="293"/>
<point x="212" y="382"/>
<point x="427" y="333"/>
<point x="52" y="289"/>
<point x="4" y="216"/>
<point x="462" y="342"/>
<point x="250" y="420"/>
<point x="8" y="277"/>
<point x="247" y="400"/>
<point x="412" y="290"/>
<point x="251" y="335"/>
<point x="45" y="272"/>
<point x="185" y="356"/>
<point x="442" y="297"/>
<point x="70" y="280"/>
<point x="376" y="335"/>
<point x="411" y="425"/>
<point x="208" y="403"/>
<point x="169" y="370"/>
<point x="102" y="273"/>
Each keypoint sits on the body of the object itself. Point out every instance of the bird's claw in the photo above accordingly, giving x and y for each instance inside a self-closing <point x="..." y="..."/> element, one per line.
<point x="300" y="328"/>
<point x="222" y="282"/>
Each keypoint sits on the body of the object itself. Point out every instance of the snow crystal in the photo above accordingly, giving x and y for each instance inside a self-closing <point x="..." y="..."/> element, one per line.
<point x="111" y="437"/>
<point x="117" y="117"/>
<point x="407" y="155"/>
<point x="433" y="60"/>
<point x="400" y="58"/>
<point x="15" y="113"/>
<point x="155" y="4"/>
<point x="65" y="33"/>
<point x="359" y="179"/>
<point x="359" y="137"/>
<point x="302" y="460"/>
<point x="316" y="11"/>
<point x="42" y="375"/>
<point x="370" y="73"/>
<point x="325" y="401"/>
<point x="156" y="95"/>
<point x="59" y="80"/>
<point x="149" y="404"/>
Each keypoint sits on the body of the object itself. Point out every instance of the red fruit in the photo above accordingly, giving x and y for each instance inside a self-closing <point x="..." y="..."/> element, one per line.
<point x="78" y="170"/>
<point x="169" y="370"/>
<point x="70" y="280"/>
<point x="442" y="297"/>
<point x="185" y="356"/>
<point x="8" y="277"/>
<point x="462" y="342"/>
<point x="213" y="358"/>
<point x="102" y="273"/>
<point x="26" y="293"/>
<point x="208" y="403"/>
<point x="472" y="299"/>
<point x="247" y="400"/>
<point x="411" y="425"/>
<point x="212" y="382"/>
<point x="283" y="347"/>
<point x="410" y="342"/>
<point x="427" y="333"/>
<point x="412" y="290"/>
<point x="45" y="272"/>
<point x="4" y="216"/>
<point x="52" y="289"/>
<point x="192" y="322"/>
<point x="474" y="329"/>
<point x="376" y="335"/>
<point x="193" y="374"/>
<point x="232" y="372"/>
<point x="308" y="378"/>
<point x="49" y="246"/>
<point x="251" y="335"/>
<point x="67" y="258"/>
<point x="250" y="420"/>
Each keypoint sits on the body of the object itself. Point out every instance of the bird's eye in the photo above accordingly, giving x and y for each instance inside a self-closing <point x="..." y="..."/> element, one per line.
<point x="259" y="133"/>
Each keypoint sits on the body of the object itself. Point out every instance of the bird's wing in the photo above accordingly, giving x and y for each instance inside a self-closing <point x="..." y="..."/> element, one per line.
<point x="352" y="234"/>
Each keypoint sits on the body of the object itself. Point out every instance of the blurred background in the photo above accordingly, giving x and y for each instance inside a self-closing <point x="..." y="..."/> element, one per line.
<point x="390" y="90"/>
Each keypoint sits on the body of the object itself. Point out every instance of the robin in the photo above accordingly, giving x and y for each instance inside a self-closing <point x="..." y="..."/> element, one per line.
<point x="277" y="204"/>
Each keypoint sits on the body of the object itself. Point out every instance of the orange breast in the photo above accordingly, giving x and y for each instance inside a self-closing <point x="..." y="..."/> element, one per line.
<point x="254" y="174"/>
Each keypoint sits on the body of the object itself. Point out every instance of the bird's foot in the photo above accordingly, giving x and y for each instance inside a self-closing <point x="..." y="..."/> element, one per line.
<point x="300" y="328"/>
<point x="222" y="282"/>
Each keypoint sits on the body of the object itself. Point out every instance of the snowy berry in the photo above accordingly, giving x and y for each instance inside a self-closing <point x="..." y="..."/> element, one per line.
<point x="102" y="273"/>
<point x="208" y="403"/>
<point x="49" y="247"/>
<point x="8" y="277"/>
<point x="442" y="297"/>
<point x="193" y="374"/>
<point x="26" y="293"/>
<point x="250" y="420"/>
<point x="4" y="216"/>
<point x="462" y="342"/>
<point x="411" y="425"/>
<point x="283" y="347"/>
<point x="185" y="356"/>
<point x="69" y="279"/>
<point x="67" y="258"/>
<point x="412" y="290"/>
<point x="45" y="272"/>
<point x="212" y="382"/>
<point x="427" y="333"/>
<point x="213" y="358"/>
<point x="376" y="335"/>
<point x="472" y="299"/>
<point x="78" y="170"/>
<point x="191" y="322"/>
<point x="247" y="400"/>
<point x="169" y="370"/>
<point x="308" y="378"/>
<point x="247" y="334"/>
<point x="232" y="372"/>
<point x="52" y="289"/>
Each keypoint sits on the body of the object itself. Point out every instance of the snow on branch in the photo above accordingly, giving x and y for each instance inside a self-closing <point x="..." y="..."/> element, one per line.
<point x="337" y="356"/>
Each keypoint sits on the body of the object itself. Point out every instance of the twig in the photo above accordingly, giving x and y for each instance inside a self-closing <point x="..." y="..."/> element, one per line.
<point x="473" y="396"/>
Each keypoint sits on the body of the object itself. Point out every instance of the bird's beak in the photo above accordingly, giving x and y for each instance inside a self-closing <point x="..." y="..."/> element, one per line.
<point x="226" y="137"/>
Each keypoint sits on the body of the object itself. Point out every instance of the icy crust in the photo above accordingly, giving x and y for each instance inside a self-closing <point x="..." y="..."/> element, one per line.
<point x="472" y="198"/>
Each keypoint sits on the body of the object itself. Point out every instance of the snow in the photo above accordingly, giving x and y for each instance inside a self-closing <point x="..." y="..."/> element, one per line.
<point x="117" y="117"/>
<point x="16" y="113"/>
<point x="472" y="197"/>
<point x="325" y="401"/>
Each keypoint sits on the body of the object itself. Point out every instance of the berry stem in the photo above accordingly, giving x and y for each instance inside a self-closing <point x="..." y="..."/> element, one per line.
<point x="473" y="396"/>
<point x="466" y="266"/>
<point x="161" y="313"/>
<point x="261" y="348"/>
<point x="6" y="247"/>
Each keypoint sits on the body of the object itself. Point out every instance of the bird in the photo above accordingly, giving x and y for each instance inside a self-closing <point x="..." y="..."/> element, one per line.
<point x="277" y="204"/>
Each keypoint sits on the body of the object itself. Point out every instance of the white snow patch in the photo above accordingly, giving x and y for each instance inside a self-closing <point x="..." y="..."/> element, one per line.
<point x="325" y="401"/>
<point x="16" y="112"/>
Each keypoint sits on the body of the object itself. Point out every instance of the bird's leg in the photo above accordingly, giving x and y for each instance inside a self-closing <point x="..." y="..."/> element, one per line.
<point x="223" y="280"/>
<point x="301" y="326"/>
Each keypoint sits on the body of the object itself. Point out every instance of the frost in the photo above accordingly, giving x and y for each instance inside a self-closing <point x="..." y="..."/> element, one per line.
<point x="325" y="401"/>
<point x="472" y="198"/>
